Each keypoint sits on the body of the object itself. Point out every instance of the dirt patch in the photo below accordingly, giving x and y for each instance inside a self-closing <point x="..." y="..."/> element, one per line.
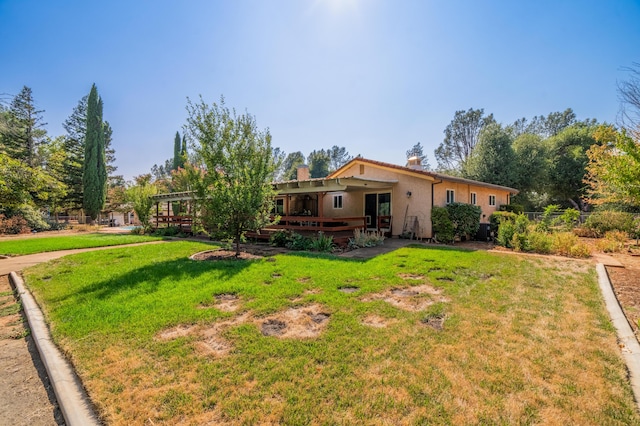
<point x="376" y="321"/>
<point x="434" y="321"/>
<point x="626" y="286"/>
<point x="177" y="331"/>
<point x="26" y="395"/>
<point x="409" y="298"/>
<point x="211" y="341"/>
<point x="411" y="276"/>
<point x="349" y="289"/>
<point x="298" y="323"/>
<point x="227" y="302"/>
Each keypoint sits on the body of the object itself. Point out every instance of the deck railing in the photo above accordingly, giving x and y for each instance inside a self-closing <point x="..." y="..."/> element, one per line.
<point x="324" y="224"/>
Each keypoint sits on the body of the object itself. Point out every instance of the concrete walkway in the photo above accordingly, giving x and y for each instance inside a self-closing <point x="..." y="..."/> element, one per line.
<point x="18" y="263"/>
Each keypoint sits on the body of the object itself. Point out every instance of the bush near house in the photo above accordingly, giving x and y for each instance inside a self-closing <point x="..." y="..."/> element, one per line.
<point x="601" y="222"/>
<point x="442" y="224"/>
<point x="465" y="219"/>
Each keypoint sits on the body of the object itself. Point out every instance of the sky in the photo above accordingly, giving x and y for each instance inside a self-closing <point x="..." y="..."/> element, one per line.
<point x="374" y="76"/>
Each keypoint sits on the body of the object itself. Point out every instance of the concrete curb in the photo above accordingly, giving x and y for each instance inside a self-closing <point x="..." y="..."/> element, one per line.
<point x="72" y="399"/>
<point x="628" y="343"/>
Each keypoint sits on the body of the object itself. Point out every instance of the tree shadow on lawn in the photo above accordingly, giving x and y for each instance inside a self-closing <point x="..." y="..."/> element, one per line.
<point x="148" y="278"/>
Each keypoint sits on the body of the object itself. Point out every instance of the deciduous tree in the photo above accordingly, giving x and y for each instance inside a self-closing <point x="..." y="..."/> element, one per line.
<point x="290" y="166"/>
<point x="613" y="171"/>
<point x="492" y="160"/>
<point x="461" y="136"/>
<point x="236" y="188"/>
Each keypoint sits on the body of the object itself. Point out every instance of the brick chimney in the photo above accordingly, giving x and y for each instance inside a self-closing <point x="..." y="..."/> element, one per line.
<point x="303" y="172"/>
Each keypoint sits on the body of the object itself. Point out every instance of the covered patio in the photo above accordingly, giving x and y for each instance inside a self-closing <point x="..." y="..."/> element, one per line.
<point x="334" y="206"/>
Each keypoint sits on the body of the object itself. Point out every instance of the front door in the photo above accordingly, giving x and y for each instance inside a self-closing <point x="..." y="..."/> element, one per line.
<point x="376" y="205"/>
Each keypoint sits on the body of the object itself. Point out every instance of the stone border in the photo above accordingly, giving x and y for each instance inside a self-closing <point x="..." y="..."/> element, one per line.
<point x="72" y="398"/>
<point x="627" y="340"/>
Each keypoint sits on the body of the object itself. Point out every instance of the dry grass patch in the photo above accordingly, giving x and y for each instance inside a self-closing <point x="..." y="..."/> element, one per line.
<point x="377" y="321"/>
<point x="409" y="298"/>
<point x="295" y="323"/>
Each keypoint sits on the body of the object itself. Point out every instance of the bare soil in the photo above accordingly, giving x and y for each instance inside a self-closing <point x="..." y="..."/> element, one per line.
<point x="626" y="285"/>
<point x="26" y="396"/>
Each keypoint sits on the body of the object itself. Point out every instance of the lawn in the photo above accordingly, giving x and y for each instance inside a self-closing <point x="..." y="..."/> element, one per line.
<point x="27" y="245"/>
<point x="424" y="336"/>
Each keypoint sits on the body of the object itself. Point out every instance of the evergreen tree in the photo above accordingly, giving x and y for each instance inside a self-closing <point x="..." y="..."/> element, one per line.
<point x="493" y="159"/>
<point x="94" y="178"/>
<point x="25" y="131"/>
<point x="416" y="151"/>
<point x="176" y="152"/>
<point x="319" y="163"/>
<point x="184" y="155"/>
<point x="76" y="127"/>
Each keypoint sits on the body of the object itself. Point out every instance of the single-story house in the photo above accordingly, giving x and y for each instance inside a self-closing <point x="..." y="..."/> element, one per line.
<point x="388" y="197"/>
<point x="368" y="194"/>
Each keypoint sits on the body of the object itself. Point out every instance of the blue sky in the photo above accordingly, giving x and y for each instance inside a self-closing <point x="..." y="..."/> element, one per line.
<point x="375" y="76"/>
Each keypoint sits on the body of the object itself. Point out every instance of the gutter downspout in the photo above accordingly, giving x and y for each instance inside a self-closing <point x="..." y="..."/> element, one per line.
<point x="432" y="185"/>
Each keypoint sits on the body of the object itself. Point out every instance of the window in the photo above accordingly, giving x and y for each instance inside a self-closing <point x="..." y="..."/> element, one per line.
<point x="473" y="199"/>
<point x="451" y="196"/>
<point x="337" y="201"/>
<point x="492" y="200"/>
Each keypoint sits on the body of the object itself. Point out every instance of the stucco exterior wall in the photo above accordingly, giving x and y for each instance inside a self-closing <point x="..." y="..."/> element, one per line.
<point x="418" y="204"/>
<point x="463" y="195"/>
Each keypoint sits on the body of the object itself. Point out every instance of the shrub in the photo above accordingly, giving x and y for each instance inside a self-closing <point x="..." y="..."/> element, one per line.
<point x="562" y="242"/>
<point x="280" y="238"/>
<point x="540" y="242"/>
<point x="322" y="243"/>
<point x="512" y="208"/>
<point x="505" y="233"/>
<point x="497" y="218"/>
<point x="366" y="239"/>
<point x="520" y="242"/>
<point x="465" y="218"/>
<point x="31" y="215"/>
<point x="569" y="218"/>
<point x="299" y="242"/>
<point x="138" y="230"/>
<point x="13" y="225"/>
<point x="546" y="220"/>
<point x="603" y="221"/>
<point x="580" y="250"/>
<point x="443" y="229"/>
<point x="169" y="231"/>
<point x="581" y="231"/>
<point x="613" y="242"/>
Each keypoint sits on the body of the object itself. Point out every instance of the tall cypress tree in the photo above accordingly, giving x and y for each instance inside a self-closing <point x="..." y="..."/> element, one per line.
<point x="183" y="152"/>
<point x="176" y="151"/>
<point x="94" y="176"/>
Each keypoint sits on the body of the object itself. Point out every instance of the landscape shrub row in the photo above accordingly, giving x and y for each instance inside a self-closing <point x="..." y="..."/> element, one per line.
<point x="294" y="241"/>
<point x="456" y="220"/>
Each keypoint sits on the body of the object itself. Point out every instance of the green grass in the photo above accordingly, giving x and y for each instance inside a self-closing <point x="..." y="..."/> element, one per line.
<point x="22" y="246"/>
<point x="524" y="341"/>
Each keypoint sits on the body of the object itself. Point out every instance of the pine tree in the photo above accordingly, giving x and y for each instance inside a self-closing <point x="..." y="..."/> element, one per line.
<point x="26" y="128"/>
<point x="94" y="178"/>
<point x="76" y="127"/>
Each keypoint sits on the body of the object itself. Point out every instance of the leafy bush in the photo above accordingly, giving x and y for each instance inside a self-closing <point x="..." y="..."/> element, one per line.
<point x="13" y="225"/>
<point x="31" y="215"/>
<point x="169" y="231"/>
<point x="569" y="218"/>
<point x="613" y="242"/>
<point x="546" y="220"/>
<point x="366" y="238"/>
<point x="465" y="218"/>
<point x="299" y="242"/>
<point x="322" y="243"/>
<point x="442" y="224"/>
<point x="280" y="238"/>
<point x="584" y="232"/>
<point x="602" y="222"/>
<point x="138" y="230"/>
<point x="512" y="208"/>
<point x="506" y="232"/>
<point x="497" y="218"/>
<point x="567" y="244"/>
<point x="540" y="242"/>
